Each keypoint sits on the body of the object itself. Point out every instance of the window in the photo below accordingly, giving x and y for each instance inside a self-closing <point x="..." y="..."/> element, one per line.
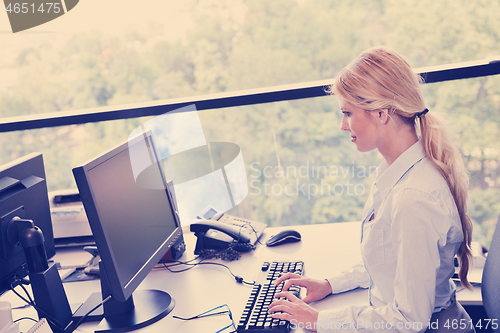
<point x="114" y="53"/>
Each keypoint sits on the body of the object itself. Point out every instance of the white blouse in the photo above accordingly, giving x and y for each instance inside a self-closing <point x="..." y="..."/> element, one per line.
<point x="411" y="232"/>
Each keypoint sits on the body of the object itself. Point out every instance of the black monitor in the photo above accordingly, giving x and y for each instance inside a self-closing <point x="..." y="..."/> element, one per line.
<point x="130" y="211"/>
<point x="23" y="194"/>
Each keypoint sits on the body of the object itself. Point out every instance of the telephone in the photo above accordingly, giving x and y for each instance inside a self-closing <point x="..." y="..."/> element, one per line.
<point x="222" y="229"/>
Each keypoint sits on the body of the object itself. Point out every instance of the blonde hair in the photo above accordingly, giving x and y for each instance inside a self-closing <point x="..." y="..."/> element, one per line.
<point x="381" y="79"/>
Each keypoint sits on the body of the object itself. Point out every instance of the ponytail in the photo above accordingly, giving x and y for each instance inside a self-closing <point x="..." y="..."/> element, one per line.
<point x="442" y="152"/>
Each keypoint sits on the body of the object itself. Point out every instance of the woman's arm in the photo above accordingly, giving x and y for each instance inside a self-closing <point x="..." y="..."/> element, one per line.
<point x="352" y="278"/>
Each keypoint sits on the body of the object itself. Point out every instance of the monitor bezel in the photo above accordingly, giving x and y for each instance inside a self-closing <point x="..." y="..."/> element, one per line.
<point x="121" y="291"/>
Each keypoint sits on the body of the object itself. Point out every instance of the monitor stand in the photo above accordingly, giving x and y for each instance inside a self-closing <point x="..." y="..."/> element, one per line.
<point x="143" y="308"/>
<point x="149" y="306"/>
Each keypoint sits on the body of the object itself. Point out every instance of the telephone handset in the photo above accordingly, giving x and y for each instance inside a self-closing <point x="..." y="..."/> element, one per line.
<point x="235" y="232"/>
<point x="223" y="229"/>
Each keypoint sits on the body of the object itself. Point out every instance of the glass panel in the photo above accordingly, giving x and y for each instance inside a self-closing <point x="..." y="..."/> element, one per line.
<point x="300" y="168"/>
<point x="130" y="52"/>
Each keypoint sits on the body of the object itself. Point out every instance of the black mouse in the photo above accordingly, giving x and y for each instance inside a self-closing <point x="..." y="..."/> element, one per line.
<point x="283" y="237"/>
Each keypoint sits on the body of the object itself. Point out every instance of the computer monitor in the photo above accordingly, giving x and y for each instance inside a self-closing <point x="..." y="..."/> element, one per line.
<point x="23" y="193"/>
<point x="134" y="224"/>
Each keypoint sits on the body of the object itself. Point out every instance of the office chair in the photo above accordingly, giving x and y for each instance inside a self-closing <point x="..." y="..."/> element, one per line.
<point x="490" y="285"/>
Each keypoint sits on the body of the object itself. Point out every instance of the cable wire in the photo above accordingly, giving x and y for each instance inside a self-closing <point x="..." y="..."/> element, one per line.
<point x="55" y="323"/>
<point x="187" y="263"/>
<point x="25" y="318"/>
<point x="70" y="328"/>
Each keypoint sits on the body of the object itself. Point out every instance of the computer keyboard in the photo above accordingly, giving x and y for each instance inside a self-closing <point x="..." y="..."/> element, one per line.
<point x="255" y="317"/>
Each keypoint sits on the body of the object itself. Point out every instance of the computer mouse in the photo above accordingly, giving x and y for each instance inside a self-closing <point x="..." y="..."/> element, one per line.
<point x="284" y="237"/>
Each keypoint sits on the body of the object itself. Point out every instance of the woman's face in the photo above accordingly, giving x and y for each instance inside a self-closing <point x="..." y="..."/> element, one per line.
<point x="361" y="124"/>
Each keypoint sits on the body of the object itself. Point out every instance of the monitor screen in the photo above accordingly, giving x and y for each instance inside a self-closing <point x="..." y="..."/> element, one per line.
<point x="130" y="213"/>
<point x="23" y="193"/>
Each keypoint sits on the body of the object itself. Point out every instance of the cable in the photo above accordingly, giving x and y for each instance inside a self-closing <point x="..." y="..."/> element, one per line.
<point x="231" y="253"/>
<point x="27" y="294"/>
<point x="254" y="231"/>
<point x="70" y="328"/>
<point x="179" y="263"/>
<point x="207" y="314"/>
<point x="204" y="314"/>
<point x="25" y="318"/>
<point x="201" y="316"/>
<point x="55" y="323"/>
<point x="238" y="279"/>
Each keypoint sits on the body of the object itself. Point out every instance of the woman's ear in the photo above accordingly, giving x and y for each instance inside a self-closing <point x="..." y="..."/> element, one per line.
<point x="382" y="116"/>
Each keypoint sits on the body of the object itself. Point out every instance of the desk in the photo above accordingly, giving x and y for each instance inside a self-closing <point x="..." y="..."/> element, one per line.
<point x="326" y="249"/>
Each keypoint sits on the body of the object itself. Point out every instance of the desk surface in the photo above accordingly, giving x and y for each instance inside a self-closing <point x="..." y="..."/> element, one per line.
<point x="326" y="249"/>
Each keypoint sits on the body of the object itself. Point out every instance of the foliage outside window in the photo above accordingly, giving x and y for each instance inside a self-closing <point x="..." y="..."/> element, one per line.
<point x="219" y="46"/>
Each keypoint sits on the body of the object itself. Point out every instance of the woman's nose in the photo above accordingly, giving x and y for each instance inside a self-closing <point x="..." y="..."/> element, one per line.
<point x="344" y="126"/>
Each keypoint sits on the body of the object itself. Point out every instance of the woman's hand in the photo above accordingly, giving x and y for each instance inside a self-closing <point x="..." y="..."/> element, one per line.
<point x="294" y="310"/>
<point x="316" y="289"/>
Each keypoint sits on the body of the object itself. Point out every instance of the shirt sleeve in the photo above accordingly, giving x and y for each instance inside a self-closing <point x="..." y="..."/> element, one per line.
<point x="352" y="278"/>
<point x="417" y="232"/>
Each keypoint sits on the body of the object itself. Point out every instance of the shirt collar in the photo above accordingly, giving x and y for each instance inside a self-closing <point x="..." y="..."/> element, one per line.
<point x="388" y="175"/>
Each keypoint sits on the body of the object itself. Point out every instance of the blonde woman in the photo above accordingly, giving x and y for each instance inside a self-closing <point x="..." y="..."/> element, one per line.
<point x="414" y="221"/>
